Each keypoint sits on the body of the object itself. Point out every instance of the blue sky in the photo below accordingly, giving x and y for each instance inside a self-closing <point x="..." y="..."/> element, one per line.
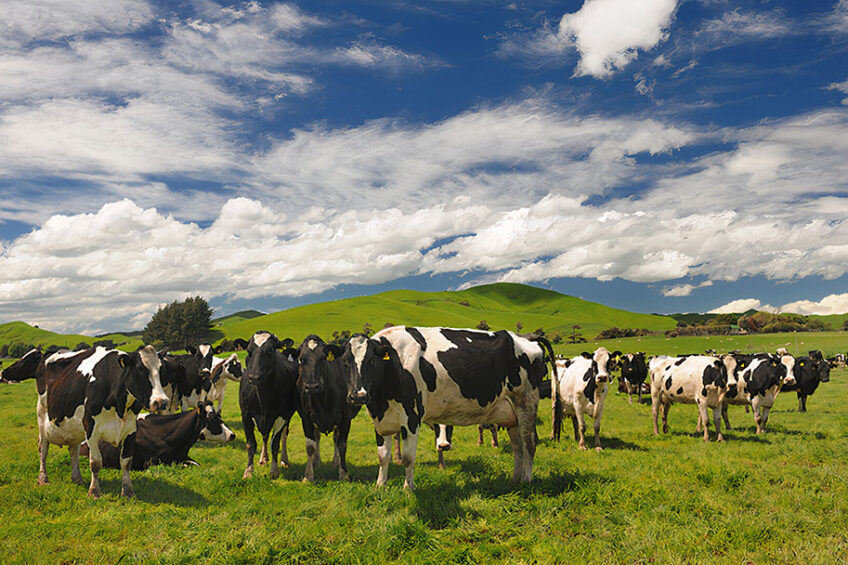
<point x="658" y="156"/>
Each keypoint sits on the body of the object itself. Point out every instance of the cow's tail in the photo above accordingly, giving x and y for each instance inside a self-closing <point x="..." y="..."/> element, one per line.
<point x="556" y="408"/>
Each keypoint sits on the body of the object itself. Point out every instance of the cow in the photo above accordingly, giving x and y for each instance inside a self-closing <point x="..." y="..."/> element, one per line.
<point x="92" y="395"/>
<point x="322" y="387"/>
<point x="165" y="439"/>
<point x="268" y="398"/>
<point x="222" y="370"/>
<point x="187" y="376"/>
<point x="581" y="389"/>
<point x="695" y="379"/>
<point x="756" y="380"/>
<point x="409" y="376"/>
<point x="809" y="372"/>
<point x="444" y="442"/>
<point x="634" y="371"/>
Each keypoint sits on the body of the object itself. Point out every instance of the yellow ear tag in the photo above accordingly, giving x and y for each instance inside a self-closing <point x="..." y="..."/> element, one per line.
<point x="802" y="363"/>
<point x="330" y="356"/>
<point x="386" y="357"/>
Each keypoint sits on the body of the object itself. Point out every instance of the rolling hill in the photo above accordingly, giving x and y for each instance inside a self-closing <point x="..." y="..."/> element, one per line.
<point x="501" y="305"/>
<point x="20" y="332"/>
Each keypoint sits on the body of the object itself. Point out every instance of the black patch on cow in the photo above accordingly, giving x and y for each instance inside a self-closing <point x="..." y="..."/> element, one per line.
<point x="732" y="392"/>
<point x="680" y="361"/>
<point x="680" y="390"/>
<point x="668" y="383"/>
<point x="416" y="335"/>
<point x="379" y="438"/>
<point x="428" y="372"/>
<point x="704" y="391"/>
<point x="590" y="388"/>
<point x="403" y="433"/>
<point x="589" y="375"/>
<point x="481" y="363"/>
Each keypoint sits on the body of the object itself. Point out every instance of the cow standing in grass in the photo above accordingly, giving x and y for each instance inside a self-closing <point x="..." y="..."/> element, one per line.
<point x="409" y="376"/>
<point x="92" y="395"/>
<point x="756" y="380"/>
<point x="809" y="372"/>
<point x="222" y="371"/>
<point x="581" y="386"/>
<point x="323" y="402"/>
<point x="268" y="398"/>
<point x="634" y="371"/>
<point x="696" y="379"/>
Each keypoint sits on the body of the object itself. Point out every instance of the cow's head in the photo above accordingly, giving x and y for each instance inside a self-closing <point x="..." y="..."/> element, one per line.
<point x="233" y="366"/>
<point x="788" y="374"/>
<point x="313" y="364"/>
<point x="141" y="376"/>
<point x="199" y="365"/>
<point x="24" y="368"/>
<point x="603" y="363"/>
<point x="214" y="428"/>
<point x="823" y="370"/>
<point x="365" y="360"/>
<point x="261" y="361"/>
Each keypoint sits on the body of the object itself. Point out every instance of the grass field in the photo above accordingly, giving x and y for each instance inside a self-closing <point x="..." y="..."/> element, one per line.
<point x="781" y="497"/>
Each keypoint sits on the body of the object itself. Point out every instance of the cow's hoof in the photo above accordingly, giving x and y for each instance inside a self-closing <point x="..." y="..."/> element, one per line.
<point x="306" y="481"/>
<point x="42" y="480"/>
<point x="94" y="493"/>
<point x="720" y="438"/>
<point x="78" y="481"/>
<point x="284" y="464"/>
<point x="581" y="447"/>
<point x="599" y="449"/>
<point x="128" y="493"/>
<point x="441" y="466"/>
<point x="248" y="473"/>
<point x="344" y="477"/>
<point x="274" y="475"/>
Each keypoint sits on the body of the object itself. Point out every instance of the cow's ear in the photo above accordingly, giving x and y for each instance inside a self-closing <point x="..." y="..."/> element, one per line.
<point x="162" y="353"/>
<point x="217" y="350"/>
<point x="291" y="353"/>
<point x="127" y="360"/>
<point x="333" y="351"/>
<point x="239" y="343"/>
<point x="382" y="351"/>
<point x="586" y="355"/>
<point x="190" y="349"/>
<point x="285" y="344"/>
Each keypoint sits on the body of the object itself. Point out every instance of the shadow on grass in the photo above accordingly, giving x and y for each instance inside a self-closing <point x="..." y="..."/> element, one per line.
<point x="617" y="443"/>
<point x="151" y="490"/>
<point x="440" y="504"/>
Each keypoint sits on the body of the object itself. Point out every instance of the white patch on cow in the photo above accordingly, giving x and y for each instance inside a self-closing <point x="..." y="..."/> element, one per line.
<point x="358" y="347"/>
<point x="30" y="352"/>
<point x="69" y="432"/>
<point x="59" y="355"/>
<point x="112" y="429"/>
<point x="601" y="358"/>
<point x="204" y="349"/>
<point x="468" y="339"/>
<point x="86" y="368"/>
<point x="142" y="416"/>
<point x="789" y="362"/>
<point x="261" y="337"/>
<point x="312" y="344"/>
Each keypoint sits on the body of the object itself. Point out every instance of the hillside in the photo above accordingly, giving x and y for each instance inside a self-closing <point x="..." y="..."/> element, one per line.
<point x="501" y="305"/>
<point x="20" y="332"/>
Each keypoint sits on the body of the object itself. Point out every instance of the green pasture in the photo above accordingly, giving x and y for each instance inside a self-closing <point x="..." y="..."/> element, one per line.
<point x="14" y="332"/>
<point x="776" y="498"/>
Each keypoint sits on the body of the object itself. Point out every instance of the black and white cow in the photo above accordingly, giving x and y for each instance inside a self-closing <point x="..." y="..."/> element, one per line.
<point x="165" y="439"/>
<point x="809" y="372"/>
<point x="581" y="386"/>
<point x="408" y="376"/>
<point x="756" y="380"/>
<point x="93" y="395"/>
<point x="323" y="402"/>
<point x="696" y="379"/>
<point x="268" y="398"/>
<point x="492" y="428"/>
<point x="634" y="372"/>
<point x="187" y="376"/>
<point x="222" y="371"/>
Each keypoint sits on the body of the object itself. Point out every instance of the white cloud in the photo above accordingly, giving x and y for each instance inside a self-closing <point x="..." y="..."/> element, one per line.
<point x="735" y="27"/>
<point x="831" y="304"/>
<point x="684" y="289"/>
<point x="743" y="305"/>
<point x="841" y="87"/>
<point x="609" y="33"/>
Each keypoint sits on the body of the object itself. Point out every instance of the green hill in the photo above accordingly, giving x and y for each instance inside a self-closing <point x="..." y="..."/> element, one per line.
<point x="20" y="332"/>
<point x="500" y="305"/>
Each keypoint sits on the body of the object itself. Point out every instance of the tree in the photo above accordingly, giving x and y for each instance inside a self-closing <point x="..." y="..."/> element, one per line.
<point x="483" y="325"/>
<point x="367" y="329"/>
<point x="518" y="326"/>
<point x="179" y="324"/>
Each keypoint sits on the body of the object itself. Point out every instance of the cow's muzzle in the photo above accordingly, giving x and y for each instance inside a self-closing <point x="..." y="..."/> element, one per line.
<point x="359" y="398"/>
<point x="159" y="404"/>
<point x="312" y="388"/>
<point x="602" y="378"/>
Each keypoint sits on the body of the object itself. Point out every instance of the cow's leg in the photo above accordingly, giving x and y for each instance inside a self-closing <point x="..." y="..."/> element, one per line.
<point x="263" y="457"/>
<point x="640" y="393"/>
<point x="599" y="412"/>
<point x="95" y="462"/>
<point x="802" y="403"/>
<point x="479" y="434"/>
<point x="517" y="452"/>
<point x="340" y="441"/>
<point x="655" y="408"/>
<point x="764" y="417"/>
<point x="494" y="435"/>
<point x="127" y="451"/>
<point x="250" y="443"/>
<point x="309" y="432"/>
<point x="523" y="440"/>
<point x="384" y="455"/>
<point x="702" y="411"/>
<point x="410" y="446"/>
<point x="581" y="428"/>
<point x="717" y="422"/>
<point x="43" y="446"/>
<point x="76" y="475"/>
<point x="576" y="427"/>
<point x="724" y="416"/>
<point x="317" y="448"/>
<point x="397" y="457"/>
<point x="336" y="460"/>
<point x="279" y="433"/>
<point x="629" y="392"/>
<point x="665" y="408"/>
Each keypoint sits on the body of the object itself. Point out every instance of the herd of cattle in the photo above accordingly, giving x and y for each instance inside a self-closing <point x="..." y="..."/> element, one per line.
<point x="406" y="377"/>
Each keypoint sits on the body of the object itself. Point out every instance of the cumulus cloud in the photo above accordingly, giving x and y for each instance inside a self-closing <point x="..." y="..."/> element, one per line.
<point x="840" y="87"/>
<point x="684" y="289"/>
<point x="609" y="33"/>
<point x="743" y="305"/>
